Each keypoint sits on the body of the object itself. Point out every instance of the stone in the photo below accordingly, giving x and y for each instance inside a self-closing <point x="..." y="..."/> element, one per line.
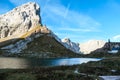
<point x="71" y="45"/>
<point x="20" y="20"/>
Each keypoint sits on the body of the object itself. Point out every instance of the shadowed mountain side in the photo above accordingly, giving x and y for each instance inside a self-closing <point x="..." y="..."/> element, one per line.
<point x="108" y="46"/>
<point x="44" y="46"/>
<point x="10" y="41"/>
<point x="48" y="47"/>
<point x="103" y="52"/>
<point x="104" y="49"/>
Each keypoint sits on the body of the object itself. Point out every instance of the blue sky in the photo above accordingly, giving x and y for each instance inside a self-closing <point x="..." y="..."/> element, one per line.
<point x="79" y="20"/>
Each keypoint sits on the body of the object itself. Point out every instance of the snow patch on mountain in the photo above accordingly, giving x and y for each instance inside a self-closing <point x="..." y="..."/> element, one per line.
<point x="71" y="45"/>
<point x="91" y="45"/>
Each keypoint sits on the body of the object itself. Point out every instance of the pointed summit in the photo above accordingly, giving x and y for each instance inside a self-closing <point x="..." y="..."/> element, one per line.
<point x="71" y="45"/>
<point x="19" y="20"/>
<point x="66" y="40"/>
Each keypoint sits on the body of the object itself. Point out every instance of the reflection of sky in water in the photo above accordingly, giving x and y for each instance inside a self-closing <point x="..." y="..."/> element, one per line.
<point x="73" y="61"/>
<point x="6" y="62"/>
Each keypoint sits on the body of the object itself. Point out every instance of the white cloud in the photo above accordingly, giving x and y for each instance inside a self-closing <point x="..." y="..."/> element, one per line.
<point x="76" y="38"/>
<point x="67" y="9"/>
<point x="69" y="35"/>
<point x="117" y="37"/>
<point x="75" y="29"/>
<point x="63" y="17"/>
<point x="66" y="22"/>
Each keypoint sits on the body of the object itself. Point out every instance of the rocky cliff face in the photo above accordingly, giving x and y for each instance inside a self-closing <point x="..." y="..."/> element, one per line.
<point x="19" y="20"/>
<point x="91" y="45"/>
<point x="71" y="45"/>
<point x="17" y="25"/>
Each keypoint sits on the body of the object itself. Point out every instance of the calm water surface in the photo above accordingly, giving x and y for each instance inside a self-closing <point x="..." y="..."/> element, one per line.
<point x="12" y="62"/>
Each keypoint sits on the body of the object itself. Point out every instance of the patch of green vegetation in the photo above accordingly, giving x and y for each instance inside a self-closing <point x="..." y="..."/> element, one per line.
<point x="102" y="55"/>
<point x="103" y="67"/>
<point x="43" y="73"/>
<point x="21" y="76"/>
<point x="46" y="46"/>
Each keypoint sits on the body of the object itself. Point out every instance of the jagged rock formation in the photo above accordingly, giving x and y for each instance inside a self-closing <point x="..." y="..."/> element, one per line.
<point x="21" y="31"/>
<point x="19" y="20"/>
<point x="91" y="46"/>
<point x="19" y="24"/>
<point x="71" y="45"/>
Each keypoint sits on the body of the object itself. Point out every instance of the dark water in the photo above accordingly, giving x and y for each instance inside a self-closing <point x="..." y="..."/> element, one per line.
<point x="10" y="62"/>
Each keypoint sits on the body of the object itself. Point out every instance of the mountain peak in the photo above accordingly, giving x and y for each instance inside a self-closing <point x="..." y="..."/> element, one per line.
<point x="20" y="20"/>
<point x="91" y="45"/>
<point x="66" y="40"/>
<point x="71" y="45"/>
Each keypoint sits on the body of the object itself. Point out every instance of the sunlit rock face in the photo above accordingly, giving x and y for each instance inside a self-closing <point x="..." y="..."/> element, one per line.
<point x="19" y="20"/>
<point x="91" y="45"/>
<point x="20" y="26"/>
<point x="71" y="45"/>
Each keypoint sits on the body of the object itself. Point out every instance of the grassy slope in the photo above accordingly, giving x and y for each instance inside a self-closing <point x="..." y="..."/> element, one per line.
<point x="45" y="45"/>
<point x="48" y="45"/>
<point x="103" y="67"/>
<point x="13" y="39"/>
<point x="30" y="32"/>
<point x="53" y="73"/>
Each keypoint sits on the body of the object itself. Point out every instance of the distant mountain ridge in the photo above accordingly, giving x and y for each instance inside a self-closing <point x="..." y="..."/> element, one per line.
<point x="91" y="45"/>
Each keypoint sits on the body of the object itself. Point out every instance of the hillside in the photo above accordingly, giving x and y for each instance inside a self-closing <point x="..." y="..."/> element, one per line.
<point x="47" y="46"/>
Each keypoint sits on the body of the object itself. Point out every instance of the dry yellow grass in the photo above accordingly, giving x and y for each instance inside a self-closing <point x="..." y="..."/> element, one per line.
<point x="14" y="38"/>
<point x="30" y="32"/>
<point x="26" y="34"/>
